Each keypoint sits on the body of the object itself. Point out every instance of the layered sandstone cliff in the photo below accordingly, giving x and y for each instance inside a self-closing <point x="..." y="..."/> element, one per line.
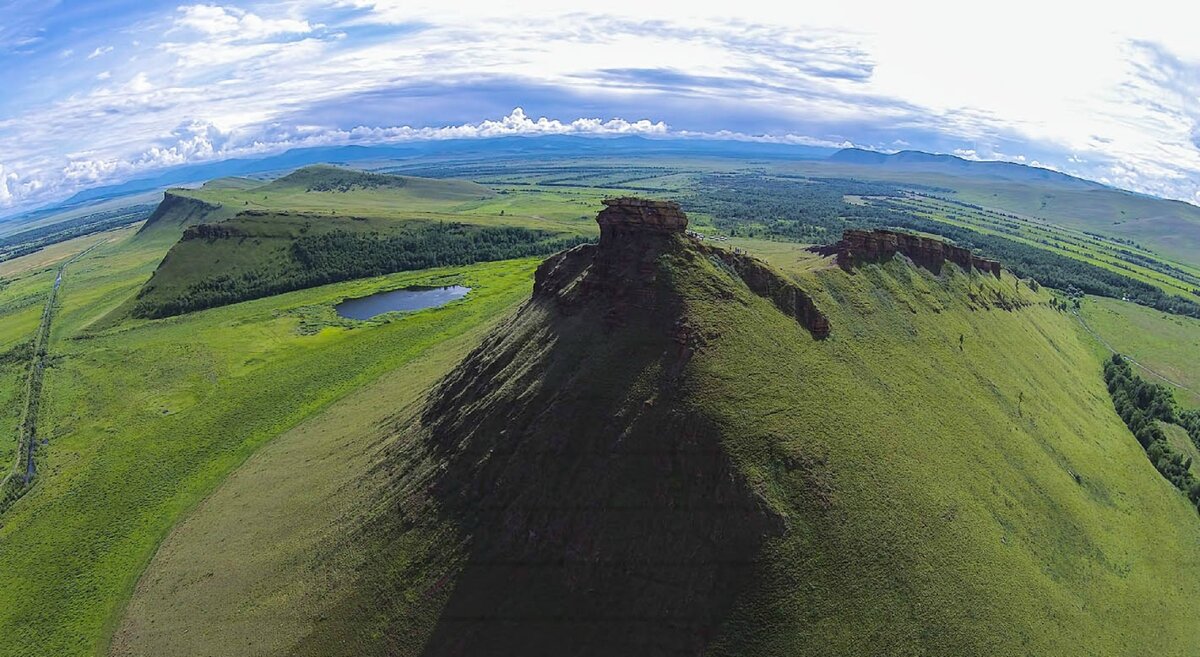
<point x="859" y="246"/>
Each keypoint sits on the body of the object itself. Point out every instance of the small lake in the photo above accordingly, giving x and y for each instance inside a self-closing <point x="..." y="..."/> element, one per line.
<point x="409" y="298"/>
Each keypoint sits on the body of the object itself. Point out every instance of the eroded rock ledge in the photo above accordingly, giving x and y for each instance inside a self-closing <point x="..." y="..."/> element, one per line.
<point x="859" y="246"/>
<point x="622" y="268"/>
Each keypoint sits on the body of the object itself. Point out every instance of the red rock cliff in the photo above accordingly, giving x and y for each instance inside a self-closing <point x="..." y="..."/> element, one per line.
<point x="858" y="246"/>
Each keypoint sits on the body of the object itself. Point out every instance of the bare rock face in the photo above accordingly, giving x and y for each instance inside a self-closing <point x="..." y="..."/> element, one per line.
<point x="621" y="270"/>
<point x="859" y="246"/>
<point x="627" y="217"/>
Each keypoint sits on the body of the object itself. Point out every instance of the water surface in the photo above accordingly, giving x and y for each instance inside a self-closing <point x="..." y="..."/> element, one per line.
<point x="409" y="298"/>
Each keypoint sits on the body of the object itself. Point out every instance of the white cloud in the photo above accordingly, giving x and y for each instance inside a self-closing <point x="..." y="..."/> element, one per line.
<point x="6" y="197"/>
<point x="100" y="51"/>
<point x="140" y="84"/>
<point x="1116" y="101"/>
<point x="236" y="23"/>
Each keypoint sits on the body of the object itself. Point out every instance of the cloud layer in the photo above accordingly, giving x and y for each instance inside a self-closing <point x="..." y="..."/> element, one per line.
<point x="100" y="96"/>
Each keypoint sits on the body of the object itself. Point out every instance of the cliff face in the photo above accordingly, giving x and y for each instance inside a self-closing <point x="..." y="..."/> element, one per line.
<point x="858" y="246"/>
<point x="621" y="270"/>
<point x="179" y="211"/>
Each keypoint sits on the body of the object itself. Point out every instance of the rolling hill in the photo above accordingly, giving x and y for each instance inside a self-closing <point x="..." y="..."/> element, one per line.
<point x="671" y="448"/>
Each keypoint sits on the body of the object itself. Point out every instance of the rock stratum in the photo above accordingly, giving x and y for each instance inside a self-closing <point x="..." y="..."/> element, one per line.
<point x="622" y="268"/>
<point x="859" y="246"/>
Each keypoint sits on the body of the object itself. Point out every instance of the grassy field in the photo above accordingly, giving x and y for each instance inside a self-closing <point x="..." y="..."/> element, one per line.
<point x="1167" y="344"/>
<point x="300" y="495"/>
<point x="1171" y="228"/>
<point x="146" y="417"/>
<point x="956" y="525"/>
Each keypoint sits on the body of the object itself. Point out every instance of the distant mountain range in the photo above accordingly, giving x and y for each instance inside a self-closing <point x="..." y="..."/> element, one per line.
<point x="920" y="160"/>
<point x="549" y="146"/>
<point x="554" y="146"/>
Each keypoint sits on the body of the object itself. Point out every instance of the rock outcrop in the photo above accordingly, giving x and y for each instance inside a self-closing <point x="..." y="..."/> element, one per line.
<point x="622" y="268"/>
<point x="789" y="298"/>
<point x="858" y="246"/>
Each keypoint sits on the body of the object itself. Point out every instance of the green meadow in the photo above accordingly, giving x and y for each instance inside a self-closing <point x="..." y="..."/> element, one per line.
<point x="144" y="418"/>
<point x="1168" y="345"/>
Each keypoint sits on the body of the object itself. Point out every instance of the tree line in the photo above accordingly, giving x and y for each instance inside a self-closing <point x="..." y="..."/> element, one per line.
<point x="340" y="255"/>
<point x="1142" y="405"/>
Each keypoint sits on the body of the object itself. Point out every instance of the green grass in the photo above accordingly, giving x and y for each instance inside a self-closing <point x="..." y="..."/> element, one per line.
<point x="1181" y="442"/>
<point x="1167" y="344"/>
<point x="301" y="495"/>
<point x="146" y="417"/>
<point x="1171" y="228"/>
<point x="957" y="527"/>
<point x="252" y="254"/>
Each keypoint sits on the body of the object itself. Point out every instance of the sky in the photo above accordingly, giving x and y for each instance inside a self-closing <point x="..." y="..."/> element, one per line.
<point x="99" y="92"/>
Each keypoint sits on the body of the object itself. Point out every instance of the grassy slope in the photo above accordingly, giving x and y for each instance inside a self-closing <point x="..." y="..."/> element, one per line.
<point x="384" y="209"/>
<point x="958" y="527"/>
<point x="938" y="512"/>
<point x="1167" y="344"/>
<point x="146" y="418"/>
<point x="1178" y="438"/>
<point x="300" y="495"/>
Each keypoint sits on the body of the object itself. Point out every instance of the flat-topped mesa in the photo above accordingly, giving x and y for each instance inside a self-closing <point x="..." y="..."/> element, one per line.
<point x="859" y="246"/>
<point x="627" y="217"/>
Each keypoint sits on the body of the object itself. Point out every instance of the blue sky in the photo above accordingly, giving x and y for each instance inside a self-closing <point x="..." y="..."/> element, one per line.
<point x="103" y="91"/>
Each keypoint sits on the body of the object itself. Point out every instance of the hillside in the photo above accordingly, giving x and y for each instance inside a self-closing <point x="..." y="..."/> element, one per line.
<point x="319" y="225"/>
<point x="675" y="449"/>
<point x="1171" y="228"/>
<point x="316" y="188"/>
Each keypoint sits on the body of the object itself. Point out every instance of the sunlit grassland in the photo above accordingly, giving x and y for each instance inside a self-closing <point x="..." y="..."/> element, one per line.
<point x="982" y="496"/>
<point x="1171" y="228"/>
<point x="1167" y="344"/>
<point x="982" y="492"/>
<point x="279" y="541"/>
<point x="144" y="418"/>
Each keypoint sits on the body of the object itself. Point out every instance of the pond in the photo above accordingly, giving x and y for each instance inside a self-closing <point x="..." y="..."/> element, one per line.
<point x="409" y="298"/>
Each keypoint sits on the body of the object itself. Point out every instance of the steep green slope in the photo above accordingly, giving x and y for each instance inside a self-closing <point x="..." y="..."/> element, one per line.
<point x="315" y="189"/>
<point x="649" y="457"/>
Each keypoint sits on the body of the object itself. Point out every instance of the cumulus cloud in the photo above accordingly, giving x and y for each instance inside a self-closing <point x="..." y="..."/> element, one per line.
<point x="267" y="76"/>
<point x="196" y="141"/>
<point x="6" y="197"/>
<point x="232" y="22"/>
